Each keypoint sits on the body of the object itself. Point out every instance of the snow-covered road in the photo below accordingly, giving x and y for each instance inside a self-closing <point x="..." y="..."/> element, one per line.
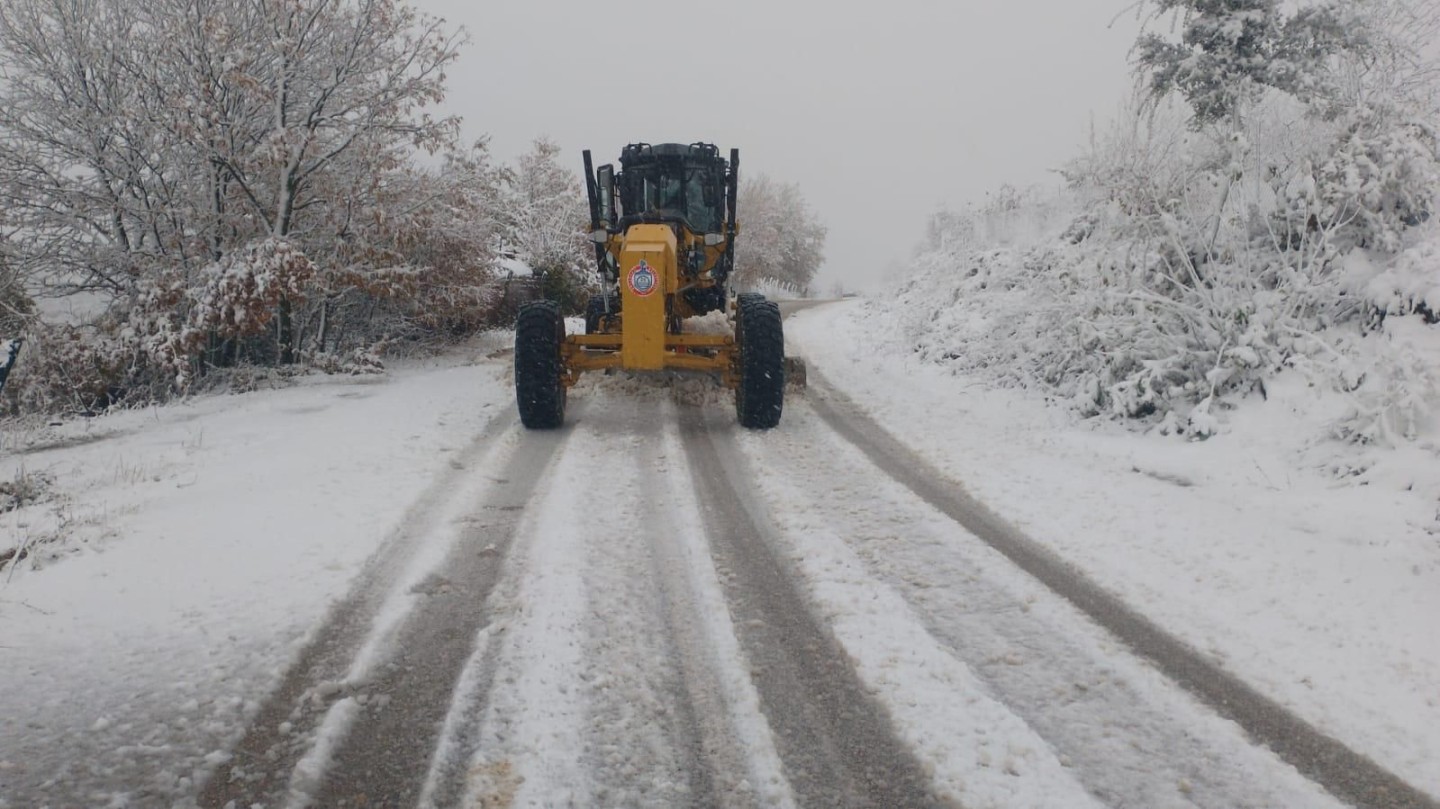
<point x="427" y="605"/>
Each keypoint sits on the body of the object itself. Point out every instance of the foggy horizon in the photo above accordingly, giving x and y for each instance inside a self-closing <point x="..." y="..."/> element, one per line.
<point x="881" y="115"/>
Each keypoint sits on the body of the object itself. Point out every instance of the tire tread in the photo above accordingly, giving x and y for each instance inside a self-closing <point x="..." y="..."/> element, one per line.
<point x="539" y="391"/>
<point x="760" y="397"/>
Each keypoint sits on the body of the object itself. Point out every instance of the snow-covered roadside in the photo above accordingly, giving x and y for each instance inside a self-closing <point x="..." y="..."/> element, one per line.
<point x="1322" y="594"/>
<point x="253" y="524"/>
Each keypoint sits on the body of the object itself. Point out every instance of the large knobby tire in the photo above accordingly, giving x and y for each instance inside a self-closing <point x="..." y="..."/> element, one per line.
<point x="539" y="391"/>
<point x="744" y="299"/>
<point x="760" y="396"/>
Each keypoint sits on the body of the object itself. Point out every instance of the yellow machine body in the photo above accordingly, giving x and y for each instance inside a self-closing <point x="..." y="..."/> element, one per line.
<point x="647" y="279"/>
<point x="649" y="337"/>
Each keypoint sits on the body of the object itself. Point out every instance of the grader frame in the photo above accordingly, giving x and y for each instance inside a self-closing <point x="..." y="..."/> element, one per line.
<point x="664" y="231"/>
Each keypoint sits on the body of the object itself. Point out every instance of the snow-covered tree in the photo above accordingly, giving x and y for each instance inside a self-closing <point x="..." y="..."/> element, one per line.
<point x="72" y="154"/>
<point x="545" y="216"/>
<point x="780" y="238"/>
<point x="441" y="227"/>
<point x="1223" y="56"/>
<point x="341" y="86"/>
<point x="1353" y="75"/>
<point x="1231" y="51"/>
<point x="147" y="150"/>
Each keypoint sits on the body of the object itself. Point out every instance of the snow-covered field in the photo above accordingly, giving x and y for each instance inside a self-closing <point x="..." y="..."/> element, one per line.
<point x="189" y="551"/>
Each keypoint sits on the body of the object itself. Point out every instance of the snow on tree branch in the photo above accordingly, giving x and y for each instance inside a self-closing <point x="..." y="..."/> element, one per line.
<point x="780" y="238"/>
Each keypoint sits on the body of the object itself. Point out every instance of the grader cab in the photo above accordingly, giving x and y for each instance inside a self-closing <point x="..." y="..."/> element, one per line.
<point x="664" y="231"/>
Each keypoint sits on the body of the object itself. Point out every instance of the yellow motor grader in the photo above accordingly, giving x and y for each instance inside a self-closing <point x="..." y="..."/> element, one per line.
<point x="664" y="231"/>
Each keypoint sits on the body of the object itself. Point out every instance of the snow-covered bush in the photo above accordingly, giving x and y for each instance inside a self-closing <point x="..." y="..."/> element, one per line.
<point x="1279" y="218"/>
<point x="239" y="296"/>
<point x="1408" y="284"/>
<point x="1392" y="376"/>
<point x="1376" y="184"/>
<point x="70" y="371"/>
<point x="1145" y="306"/>
<point x="359" y="362"/>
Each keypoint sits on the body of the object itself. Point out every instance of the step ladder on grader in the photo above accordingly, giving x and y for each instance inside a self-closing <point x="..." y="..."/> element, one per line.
<point x="664" y="230"/>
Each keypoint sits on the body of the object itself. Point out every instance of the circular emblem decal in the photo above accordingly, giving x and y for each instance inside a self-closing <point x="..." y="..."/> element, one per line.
<point x="642" y="279"/>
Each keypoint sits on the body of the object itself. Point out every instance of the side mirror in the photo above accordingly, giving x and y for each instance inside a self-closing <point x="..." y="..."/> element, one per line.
<point x="605" y="179"/>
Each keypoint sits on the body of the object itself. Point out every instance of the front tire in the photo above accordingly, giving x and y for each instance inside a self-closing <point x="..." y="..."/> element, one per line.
<point x="744" y="299"/>
<point x="760" y="396"/>
<point x="539" y="388"/>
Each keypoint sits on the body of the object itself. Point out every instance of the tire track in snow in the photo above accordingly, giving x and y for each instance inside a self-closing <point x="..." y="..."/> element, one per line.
<point x="528" y="736"/>
<point x="1346" y="774"/>
<point x="834" y="739"/>
<point x="383" y="757"/>
<point x="611" y="688"/>
<point x="641" y="698"/>
<point x="283" y="730"/>
<point x="1121" y="728"/>
<point x="734" y="740"/>
<point x="585" y="708"/>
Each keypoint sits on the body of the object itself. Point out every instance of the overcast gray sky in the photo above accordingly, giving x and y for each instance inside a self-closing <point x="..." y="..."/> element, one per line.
<point x="881" y="111"/>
